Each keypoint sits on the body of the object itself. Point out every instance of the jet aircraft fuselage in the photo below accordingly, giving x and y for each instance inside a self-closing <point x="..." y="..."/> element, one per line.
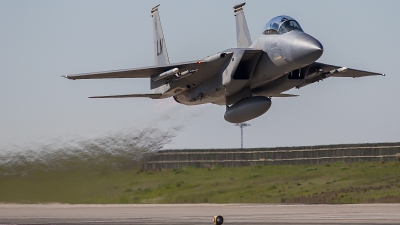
<point x="280" y="55"/>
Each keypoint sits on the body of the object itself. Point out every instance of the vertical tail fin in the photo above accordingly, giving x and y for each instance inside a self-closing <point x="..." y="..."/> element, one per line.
<point x="160" y="49"/>
<point x="242" y="31"/>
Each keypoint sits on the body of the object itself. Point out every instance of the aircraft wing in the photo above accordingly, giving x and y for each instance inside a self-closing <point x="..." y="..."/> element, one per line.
<point x="320" y="71"/>
<point x="153" y="96"/>
<point x="349" y="73"/>
<point x="143" y="72"/>
<point x="191" y="72"/>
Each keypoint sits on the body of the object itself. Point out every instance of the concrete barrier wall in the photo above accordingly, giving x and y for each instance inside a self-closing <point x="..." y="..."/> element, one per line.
<point x="285" y="155"/>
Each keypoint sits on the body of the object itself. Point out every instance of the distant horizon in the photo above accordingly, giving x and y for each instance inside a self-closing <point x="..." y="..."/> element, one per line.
<point x="284" y="147"/>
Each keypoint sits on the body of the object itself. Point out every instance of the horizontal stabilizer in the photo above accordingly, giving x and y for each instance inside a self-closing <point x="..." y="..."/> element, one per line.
<point x="153" y="96"/>
<point x="283" y="95"/>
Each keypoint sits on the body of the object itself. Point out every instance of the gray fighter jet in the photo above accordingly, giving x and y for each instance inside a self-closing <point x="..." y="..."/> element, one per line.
<point x="244" y="79"/>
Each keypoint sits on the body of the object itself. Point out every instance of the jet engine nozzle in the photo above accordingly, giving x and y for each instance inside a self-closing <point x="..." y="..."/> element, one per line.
<point x="306" y="49"/>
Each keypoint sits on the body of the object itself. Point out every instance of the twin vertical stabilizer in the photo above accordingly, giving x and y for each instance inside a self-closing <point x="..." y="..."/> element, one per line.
<point x="242" y="31"/>
<point x="160" y="49"/>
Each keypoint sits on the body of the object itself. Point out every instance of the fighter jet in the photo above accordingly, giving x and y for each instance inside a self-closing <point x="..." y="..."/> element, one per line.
<point x="245" y="78"/>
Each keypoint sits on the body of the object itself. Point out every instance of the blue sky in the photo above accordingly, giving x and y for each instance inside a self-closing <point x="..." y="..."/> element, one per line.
<point x="42" y="40"/>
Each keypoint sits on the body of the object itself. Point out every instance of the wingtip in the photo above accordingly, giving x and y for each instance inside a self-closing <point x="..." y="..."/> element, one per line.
<point x="67" y="77"/>
<point x="99" y="97"/>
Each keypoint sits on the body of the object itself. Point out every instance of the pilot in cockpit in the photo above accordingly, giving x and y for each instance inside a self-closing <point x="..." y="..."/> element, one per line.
<point x="281" y="25"/>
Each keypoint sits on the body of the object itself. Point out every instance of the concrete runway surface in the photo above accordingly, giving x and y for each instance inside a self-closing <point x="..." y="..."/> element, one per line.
<point x="199" y="214"/>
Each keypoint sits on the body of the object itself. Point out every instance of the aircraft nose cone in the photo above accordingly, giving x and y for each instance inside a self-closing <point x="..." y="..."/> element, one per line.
<point x="306" y="49"/>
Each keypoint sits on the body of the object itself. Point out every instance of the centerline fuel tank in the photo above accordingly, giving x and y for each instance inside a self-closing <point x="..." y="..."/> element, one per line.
<point x="247" y="109"/>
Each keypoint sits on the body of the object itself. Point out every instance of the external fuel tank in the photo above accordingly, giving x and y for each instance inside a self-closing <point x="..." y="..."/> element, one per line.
<point x="247" y="109"/>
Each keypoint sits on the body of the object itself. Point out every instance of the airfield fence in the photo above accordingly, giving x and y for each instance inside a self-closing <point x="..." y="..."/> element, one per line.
<point x="320" y="154"/>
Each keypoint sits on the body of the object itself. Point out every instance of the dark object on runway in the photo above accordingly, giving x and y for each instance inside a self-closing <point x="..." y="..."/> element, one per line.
<point x="218" y="220"/>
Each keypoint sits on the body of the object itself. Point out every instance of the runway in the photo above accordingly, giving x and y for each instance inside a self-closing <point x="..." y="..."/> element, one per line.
<point x="199" y="214"/>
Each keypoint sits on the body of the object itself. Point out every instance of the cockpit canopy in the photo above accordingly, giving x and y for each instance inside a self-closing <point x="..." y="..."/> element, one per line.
<point x="281" y="25"/>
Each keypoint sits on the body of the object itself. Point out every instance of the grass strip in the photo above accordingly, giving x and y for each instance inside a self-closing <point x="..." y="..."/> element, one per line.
<point x="361" y="182"/>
